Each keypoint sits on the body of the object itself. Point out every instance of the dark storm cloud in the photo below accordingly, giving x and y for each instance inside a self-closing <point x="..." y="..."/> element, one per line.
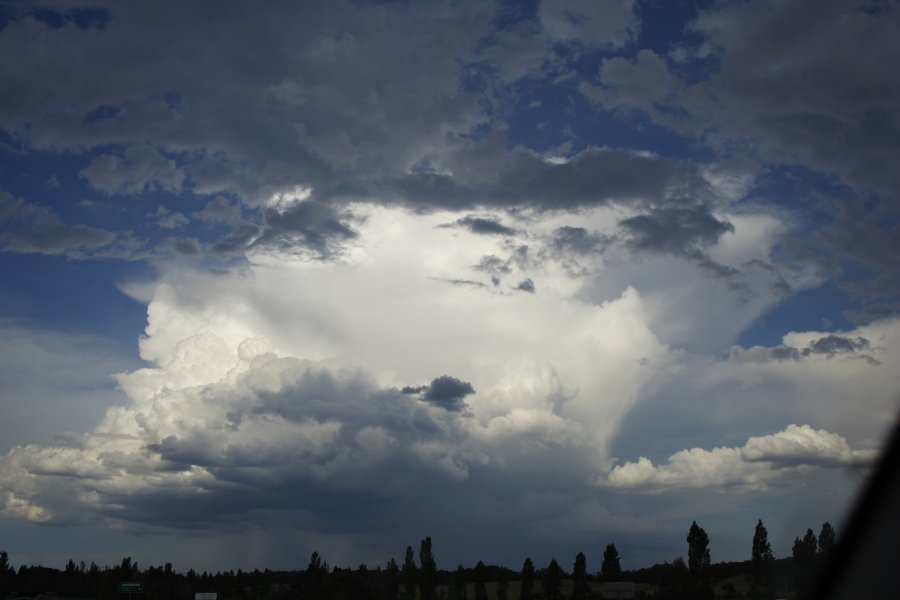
<point x="239" y="240"/>
<point x="836" y="344"/>
<point x="463" y="282"/>
<point x="448" y="392"/>
<point x="484" y="226"/>
<point x="362" y="91"/>
<point x="677" y="231"/>
<point x="493" y="176"/>
<point x="831" y="106"/>
<point x="578" y="240"/>
<point x="311" y="224"/>
<point x="873" y="312"/>
<point x="445" y="391"/>
<point x="870" y="237"/>
<point x="829" y="346"/>
<point x="140" y="169"/>
<point x="780" y="84"/>
<point x="320" y="438"/>
<point x="783" y="91"/>
<point x="249" y="125"/>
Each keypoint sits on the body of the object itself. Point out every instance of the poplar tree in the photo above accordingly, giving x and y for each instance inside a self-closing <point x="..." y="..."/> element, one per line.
<point x="580" y="587"/>
<point x="459" y="584"/>
<point x="428" y="573"/>
<point x="527" y="585"/>
<point x="409" y="575"/>
<point x="610" y="569"/>
<point x="826" y="539"/>
<point x="761" y="561"/>
<point x="804" y="555"/>
<point x="502" y="586"/>
<point x="480" y="584"/>
<point x="553" y="575"/>
<point x="392" y="579"/>
<point x="698" y="561"/>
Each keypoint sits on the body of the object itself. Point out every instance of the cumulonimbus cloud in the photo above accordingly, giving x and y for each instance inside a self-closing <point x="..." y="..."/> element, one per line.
<point x="289" y="386"/>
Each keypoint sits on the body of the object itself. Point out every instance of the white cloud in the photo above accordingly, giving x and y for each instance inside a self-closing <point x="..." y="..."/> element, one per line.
<point x="763" y="461"/>
<point x="798" y="445"/>
<point x="282" y="201"/>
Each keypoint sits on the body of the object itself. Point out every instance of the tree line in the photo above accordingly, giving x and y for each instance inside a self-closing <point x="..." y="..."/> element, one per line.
<point x="422" y="580"/>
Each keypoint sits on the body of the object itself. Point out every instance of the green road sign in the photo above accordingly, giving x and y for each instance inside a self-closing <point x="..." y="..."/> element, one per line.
<point x="131" y="587"/>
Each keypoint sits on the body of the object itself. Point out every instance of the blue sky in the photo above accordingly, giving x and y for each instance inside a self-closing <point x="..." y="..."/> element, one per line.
<point x="529" y="278"/>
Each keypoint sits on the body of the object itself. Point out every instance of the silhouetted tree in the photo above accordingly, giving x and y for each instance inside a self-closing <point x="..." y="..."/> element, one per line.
<point x="409" y="575"/>
<point x="553" y="575"/>
<point x="610" y="569"/>
<point x="358" y="586"/>
<point x="391" y="580"/>
<point x="580" y="587"/>
<point x="527" y="582"/>
<point x="761" y="560"/>
<point x="698" y="561"/>
<point x="826" y="539"/>
<point x="480" y="583"/>
<point x="7" y="575"/>
<point x="428" y="571"/>
<point x="676" y="583"/>
<point x="804" y="555"/>
<point x="502" y="586"/>
<point x="128" y="570"/>
<point x="315" y="578"/>
<point x="458" y="590"/>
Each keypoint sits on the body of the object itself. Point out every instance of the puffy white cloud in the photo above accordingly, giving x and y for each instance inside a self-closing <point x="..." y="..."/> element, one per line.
<point x="798" y="445"/>
<point x="763" y="461"/>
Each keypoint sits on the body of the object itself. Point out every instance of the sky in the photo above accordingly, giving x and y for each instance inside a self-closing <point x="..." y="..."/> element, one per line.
<point x="525" y="277"/>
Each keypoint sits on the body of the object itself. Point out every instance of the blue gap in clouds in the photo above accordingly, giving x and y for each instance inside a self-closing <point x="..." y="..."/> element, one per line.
<point x="513" y="11"/>
<point x="53" y="181"/>
<point x="50" y="292"/>
<point x="819" y="309"/>
<point x="663" y="23"/>
<point x="800" y="189"/>
<point x="83" y="18"/>
<point x="548" y="115"/>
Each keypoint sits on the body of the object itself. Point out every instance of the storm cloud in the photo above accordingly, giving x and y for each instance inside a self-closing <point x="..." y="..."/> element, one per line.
<point x="554" y="271"/>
